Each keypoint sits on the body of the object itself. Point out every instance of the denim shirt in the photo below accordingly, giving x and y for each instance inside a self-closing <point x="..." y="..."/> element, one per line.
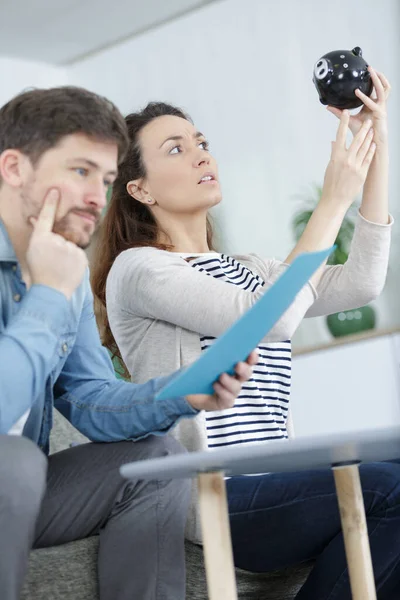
<point x="51" y="355"/>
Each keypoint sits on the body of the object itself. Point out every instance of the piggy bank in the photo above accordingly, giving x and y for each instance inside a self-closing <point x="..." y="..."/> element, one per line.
<point x="338" y="74"/>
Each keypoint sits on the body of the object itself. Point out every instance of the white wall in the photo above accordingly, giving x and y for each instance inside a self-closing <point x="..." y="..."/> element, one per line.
<point x="347" y="388"/>
<point x="17" y="75"/>
<point x="243" y="71"/>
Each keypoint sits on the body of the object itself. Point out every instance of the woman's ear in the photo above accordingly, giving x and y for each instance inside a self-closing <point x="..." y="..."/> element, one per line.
<point x="137" y="190"/>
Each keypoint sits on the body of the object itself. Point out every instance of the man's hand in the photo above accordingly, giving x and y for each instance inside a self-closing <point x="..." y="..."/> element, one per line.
<point x="227" y="388"/>
<point x="52" y="260"/>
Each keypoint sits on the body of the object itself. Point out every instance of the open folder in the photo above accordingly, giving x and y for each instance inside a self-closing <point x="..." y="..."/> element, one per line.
<point x="244" y="336"/>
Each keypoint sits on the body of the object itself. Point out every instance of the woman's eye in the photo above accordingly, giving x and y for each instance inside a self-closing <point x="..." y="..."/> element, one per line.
<point x="205" y="145"/>
<point x="175" y="150"/>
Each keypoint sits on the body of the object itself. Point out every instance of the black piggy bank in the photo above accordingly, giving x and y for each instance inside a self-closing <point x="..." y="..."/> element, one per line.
<point x="338" y="74"/>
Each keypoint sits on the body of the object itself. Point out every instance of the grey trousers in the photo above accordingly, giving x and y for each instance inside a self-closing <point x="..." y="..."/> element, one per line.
<point x="140" y="524"/>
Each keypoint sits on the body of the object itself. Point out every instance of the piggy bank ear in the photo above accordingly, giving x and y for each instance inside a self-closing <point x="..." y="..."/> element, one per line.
<point x="357" y="51"/>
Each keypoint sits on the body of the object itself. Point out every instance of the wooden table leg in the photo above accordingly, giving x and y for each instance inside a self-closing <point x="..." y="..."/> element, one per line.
<point x="355" y="533"/>
<point x="217" y="543"/>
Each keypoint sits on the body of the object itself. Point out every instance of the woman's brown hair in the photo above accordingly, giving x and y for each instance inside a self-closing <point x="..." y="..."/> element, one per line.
<point x="128" y="223"/>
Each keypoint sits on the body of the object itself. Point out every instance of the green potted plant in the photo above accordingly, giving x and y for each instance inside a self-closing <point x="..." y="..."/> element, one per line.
<point x="348" y="321"/>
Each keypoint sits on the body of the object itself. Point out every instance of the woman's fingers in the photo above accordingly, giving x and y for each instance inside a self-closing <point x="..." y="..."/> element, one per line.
<point x="335" y="111"/>
<point x="365" y="148"/>
<point x="385" y="83"/>
<point x="367" y="101"/>
<point x="341" y="135"/>
<point x="382" y="90"/>
<point x="378" y="85"/>
<point x="369" y="156"/>
<point x="364" y="134"/>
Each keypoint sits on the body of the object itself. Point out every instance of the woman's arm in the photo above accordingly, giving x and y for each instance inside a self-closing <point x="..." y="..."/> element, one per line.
<point x="361" y="279"/>
<point x="345" y="175"/>
<point x="159" y="285"/>
<point x="375" y="201"/>
<point x="374" y="206"/>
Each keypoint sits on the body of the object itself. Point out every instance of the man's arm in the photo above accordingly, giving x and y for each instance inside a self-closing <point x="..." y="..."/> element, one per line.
<point x="107" y="409"/>
<point x="28" y="351"/>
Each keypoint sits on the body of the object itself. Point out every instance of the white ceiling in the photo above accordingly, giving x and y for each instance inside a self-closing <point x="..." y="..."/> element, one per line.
<point x="63" y="31"/>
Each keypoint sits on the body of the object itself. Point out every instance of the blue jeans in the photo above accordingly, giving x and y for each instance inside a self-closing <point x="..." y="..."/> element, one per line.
<point x="283" y="519"/>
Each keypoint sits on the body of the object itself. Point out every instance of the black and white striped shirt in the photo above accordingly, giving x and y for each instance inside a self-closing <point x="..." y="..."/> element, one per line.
<point x="261" y="409"/>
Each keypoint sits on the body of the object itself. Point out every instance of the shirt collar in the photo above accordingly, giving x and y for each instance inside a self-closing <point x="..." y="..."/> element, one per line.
<point x="7" y="253"/>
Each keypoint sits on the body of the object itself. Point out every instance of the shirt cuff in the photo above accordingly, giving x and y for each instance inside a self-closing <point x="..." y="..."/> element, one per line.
<point x="174" y="406"/>
<point x="373" y="224"/>
<point x="179" y="407"/>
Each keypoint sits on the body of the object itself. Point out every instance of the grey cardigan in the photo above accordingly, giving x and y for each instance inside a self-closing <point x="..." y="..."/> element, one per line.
<point x="157" y="305"/>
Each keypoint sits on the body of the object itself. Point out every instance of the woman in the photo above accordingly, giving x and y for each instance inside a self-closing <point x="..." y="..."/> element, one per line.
<point x="168" y="295"/>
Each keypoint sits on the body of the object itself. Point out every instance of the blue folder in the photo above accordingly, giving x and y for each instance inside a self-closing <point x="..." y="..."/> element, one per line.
<point x="239" y="340"/>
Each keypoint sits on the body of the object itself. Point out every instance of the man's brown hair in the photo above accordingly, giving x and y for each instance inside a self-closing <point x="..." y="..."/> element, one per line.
<point x="36" y="120"/>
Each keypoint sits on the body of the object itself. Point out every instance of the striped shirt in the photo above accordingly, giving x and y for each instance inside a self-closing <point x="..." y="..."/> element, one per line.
<point x="260" y="411"/>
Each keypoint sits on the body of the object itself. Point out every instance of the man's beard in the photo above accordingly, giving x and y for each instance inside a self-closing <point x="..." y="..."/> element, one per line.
<point x="62" y="227"/>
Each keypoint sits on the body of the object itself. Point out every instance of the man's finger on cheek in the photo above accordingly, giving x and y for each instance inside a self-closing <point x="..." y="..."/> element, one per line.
<point x="47" y="215"/>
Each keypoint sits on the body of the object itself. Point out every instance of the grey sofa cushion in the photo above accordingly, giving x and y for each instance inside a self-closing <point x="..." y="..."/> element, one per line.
<point x="69" y="572"/>
<point x="64" y="434"/>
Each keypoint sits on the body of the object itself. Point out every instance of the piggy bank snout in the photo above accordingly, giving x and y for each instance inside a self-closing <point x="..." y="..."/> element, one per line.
<point x="321" y="69"/>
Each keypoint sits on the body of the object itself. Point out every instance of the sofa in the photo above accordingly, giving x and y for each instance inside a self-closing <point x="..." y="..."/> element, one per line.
<point x="69" y="571"/>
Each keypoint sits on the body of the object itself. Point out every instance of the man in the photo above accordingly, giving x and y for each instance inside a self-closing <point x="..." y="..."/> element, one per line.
<point x="59" y="152"/>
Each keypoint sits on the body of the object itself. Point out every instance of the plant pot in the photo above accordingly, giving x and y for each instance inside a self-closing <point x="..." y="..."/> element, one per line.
<point x="351" y="321"/>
